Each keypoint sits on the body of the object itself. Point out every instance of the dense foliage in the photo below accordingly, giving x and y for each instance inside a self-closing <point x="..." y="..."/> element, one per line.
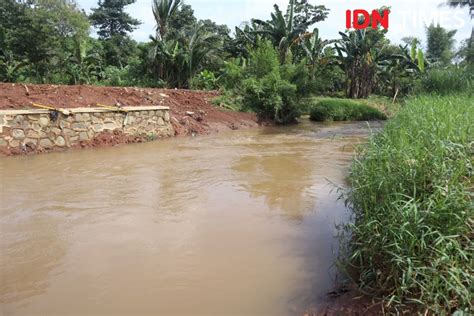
<point x="411" y="239"/>
<point x="344" y="110"/>
<point x="49" y="41"/>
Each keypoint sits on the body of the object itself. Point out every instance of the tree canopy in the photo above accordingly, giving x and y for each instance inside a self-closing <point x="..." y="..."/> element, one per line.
<point x="111" y="19"/>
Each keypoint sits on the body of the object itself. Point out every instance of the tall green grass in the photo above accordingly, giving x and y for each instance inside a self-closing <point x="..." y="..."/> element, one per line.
<point x="411" y="241"/>
<point x="447" y="81"/>
<point x="343" y="110"/>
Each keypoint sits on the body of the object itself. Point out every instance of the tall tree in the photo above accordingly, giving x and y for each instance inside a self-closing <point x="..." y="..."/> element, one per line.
<point x="466" y="53"/>
<point x="41" y="32"/>
<point x="440" y="44"/>
<point x="112" y="20"/>
<point x="306" y="13"/>
<point x="114" y="25"/>
<point x="182" y="22"/>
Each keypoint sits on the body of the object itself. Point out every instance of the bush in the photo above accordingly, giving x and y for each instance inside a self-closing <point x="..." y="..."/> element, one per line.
<point x="411" y="238"/>
<point x="115" y="76"/>
<point x="232" y="73"/>
<point x="263" y="60"/>
<point x="344" y="110"/>
<point x="205" y="80"/>
<point x="261" y="85"/>
<point x="447" y="81"/>
<point x="229" y="100"/>
<point x="272" y="98"/>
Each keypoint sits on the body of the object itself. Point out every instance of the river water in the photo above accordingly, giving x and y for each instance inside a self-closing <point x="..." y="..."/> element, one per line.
<point x="240" y="223"/>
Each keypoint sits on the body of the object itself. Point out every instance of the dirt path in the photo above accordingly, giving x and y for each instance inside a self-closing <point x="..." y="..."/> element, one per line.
<point x="191" y="111"/>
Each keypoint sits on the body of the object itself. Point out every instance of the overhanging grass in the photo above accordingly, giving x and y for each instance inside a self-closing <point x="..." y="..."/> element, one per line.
<point x="344" y="110"/>
<point x="411" y="241"/>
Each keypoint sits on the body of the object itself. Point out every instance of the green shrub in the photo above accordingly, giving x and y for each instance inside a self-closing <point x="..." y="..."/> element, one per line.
<point x="229" y="100"/>
<point x="447" y="81"/>
<point x="264" y="86"/>
<point x="205" y="80"/>
<point x="115" y="76"/>
<point x="271" y="97"/>
<point x="410" y="240"/>
<point x="263" y="60"/>
<point x="344" y="110"/>
<point x="298" y="75"/>
<point x="232" y="73"/>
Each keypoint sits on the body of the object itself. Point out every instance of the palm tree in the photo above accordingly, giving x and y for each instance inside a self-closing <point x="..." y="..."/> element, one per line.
<point x="163" y="10"/>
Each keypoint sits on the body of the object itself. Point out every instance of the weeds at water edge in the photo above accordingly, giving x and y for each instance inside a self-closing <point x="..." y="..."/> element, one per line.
<point x="411" y="238"/>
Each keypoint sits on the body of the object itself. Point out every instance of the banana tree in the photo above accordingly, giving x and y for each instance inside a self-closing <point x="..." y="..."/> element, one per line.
<point x="314" y="47"/>
<point x="281" y="30"/>
<point x="202" y="45"/>
<point x="10" y="68"/>
<point x="167" y="58"/>
<point x="177" y="62"/>
<point x="360" y="55"/>
<point x="245" y="37"/>
<point x="398" y="73"/>
<point x="83" y="64"/>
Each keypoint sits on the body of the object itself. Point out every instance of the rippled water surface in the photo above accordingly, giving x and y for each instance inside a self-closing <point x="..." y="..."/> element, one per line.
<point x="241" y="223"/>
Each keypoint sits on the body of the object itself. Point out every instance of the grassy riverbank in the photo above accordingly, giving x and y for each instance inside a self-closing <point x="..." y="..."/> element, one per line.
<point x="344" y="110"/>
<point x="411" y="242"/>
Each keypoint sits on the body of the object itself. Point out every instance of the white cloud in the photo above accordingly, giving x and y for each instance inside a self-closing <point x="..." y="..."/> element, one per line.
<point x="408" y="17"/>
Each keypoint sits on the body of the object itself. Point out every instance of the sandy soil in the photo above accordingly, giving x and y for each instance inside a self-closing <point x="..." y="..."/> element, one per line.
<point x="191" y="111"/>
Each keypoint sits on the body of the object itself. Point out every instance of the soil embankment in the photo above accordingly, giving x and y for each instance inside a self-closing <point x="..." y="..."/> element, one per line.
<point x="191" y="111"/>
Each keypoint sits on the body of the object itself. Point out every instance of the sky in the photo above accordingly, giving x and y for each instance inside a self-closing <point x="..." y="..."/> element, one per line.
<point x="408" y="17"/>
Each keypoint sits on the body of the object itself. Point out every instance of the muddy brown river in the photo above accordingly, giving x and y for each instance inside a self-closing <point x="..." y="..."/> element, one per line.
<point x="240" y="223"/>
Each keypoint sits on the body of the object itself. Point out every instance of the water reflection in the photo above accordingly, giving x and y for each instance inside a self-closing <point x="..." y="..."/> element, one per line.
<point x="282" y="179"/>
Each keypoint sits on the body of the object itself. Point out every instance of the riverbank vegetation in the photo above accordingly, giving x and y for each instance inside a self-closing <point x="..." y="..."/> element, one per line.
<point x="344" y="110"/>
<point x="267" y="66"/>
<point x="411" y="239"/>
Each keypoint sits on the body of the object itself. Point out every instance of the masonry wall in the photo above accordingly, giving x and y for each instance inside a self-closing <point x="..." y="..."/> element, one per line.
<point x="43" y="129"/>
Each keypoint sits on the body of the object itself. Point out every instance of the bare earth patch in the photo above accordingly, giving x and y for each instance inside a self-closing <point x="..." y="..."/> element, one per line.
<point x="191" y="111"/>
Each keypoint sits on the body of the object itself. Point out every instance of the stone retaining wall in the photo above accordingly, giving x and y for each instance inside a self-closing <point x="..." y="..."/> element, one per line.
<point x="43" y="129"/>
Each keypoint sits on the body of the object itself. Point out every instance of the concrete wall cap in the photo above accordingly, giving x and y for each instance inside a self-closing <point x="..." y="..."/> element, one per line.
<point x="86" y="110"/>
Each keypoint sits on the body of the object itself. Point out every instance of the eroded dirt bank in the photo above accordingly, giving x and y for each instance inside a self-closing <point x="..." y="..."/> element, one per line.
<point x="191" y="111"/>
